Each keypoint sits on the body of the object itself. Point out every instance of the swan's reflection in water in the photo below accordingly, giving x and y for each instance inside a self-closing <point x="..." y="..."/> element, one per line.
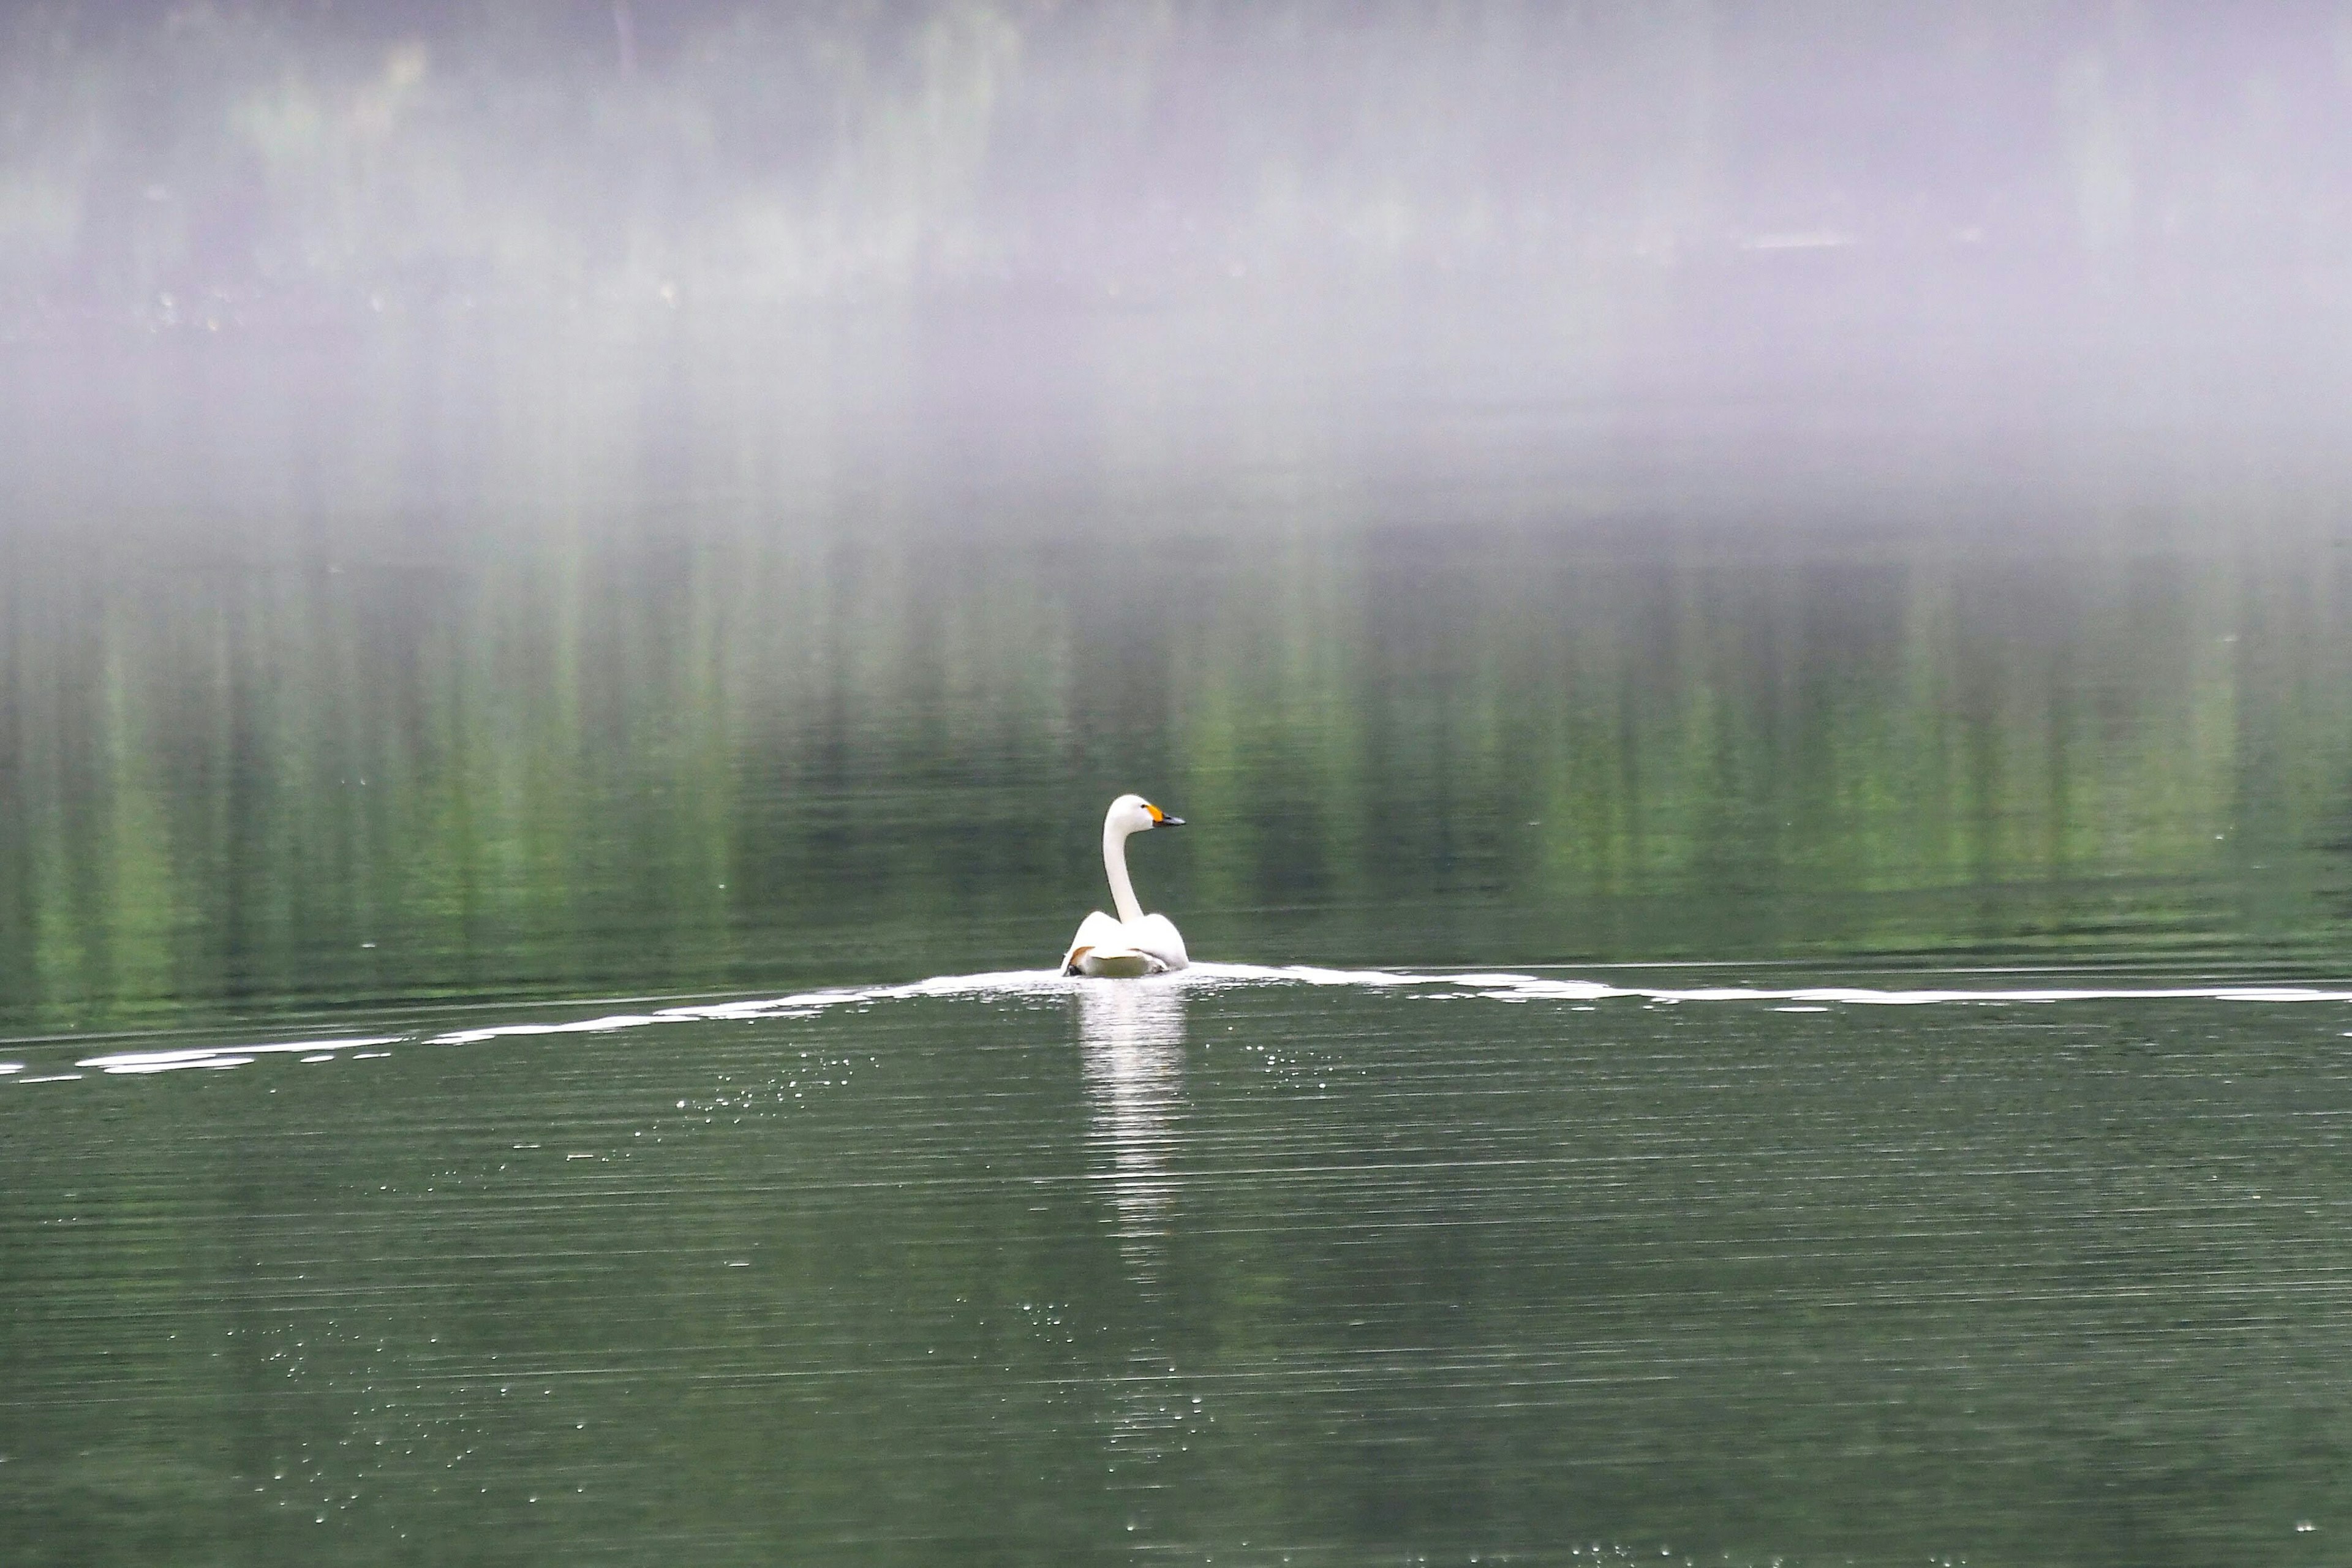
<point x="1132" y="1033"/>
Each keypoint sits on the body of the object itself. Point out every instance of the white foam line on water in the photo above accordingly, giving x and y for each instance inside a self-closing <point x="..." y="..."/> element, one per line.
<point x="1497" y="986"/>
<point x="121" y="1063"/>
<point x="1512" y="987"/>
<point x="1010" y="982"/>
<point x="1492" y="986"/>
<point x="212" y="1061"/>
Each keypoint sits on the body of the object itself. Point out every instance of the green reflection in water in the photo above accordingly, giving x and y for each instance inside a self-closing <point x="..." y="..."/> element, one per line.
<point x="379" y="638"/>
<point x="502" y="721"/>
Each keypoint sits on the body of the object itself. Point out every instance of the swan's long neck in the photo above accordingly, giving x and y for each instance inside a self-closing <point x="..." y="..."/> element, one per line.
<point x="1122" y="891"/>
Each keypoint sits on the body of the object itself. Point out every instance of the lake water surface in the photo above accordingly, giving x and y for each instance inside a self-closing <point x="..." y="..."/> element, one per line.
<point x="1776" y="987"/>
<point x="1258" y="1266"/>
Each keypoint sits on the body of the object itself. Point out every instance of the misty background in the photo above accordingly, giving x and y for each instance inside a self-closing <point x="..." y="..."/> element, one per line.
<point x="517" y="514"/>
<point x="2145" y="206"/>
<point x="546" y="496"/>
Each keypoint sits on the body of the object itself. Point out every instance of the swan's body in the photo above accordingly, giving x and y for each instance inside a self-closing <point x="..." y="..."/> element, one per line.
<point x="1135" y="943"/>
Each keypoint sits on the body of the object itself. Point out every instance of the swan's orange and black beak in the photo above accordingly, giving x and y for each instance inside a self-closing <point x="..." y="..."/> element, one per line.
<point x="1160" y="818"/>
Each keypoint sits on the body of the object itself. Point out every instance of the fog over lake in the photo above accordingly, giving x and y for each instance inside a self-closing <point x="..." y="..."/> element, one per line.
<point x="1749" y="609"/>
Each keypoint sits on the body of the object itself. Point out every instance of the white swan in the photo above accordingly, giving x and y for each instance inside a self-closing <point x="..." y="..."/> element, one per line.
<point x="1135" y="943"/>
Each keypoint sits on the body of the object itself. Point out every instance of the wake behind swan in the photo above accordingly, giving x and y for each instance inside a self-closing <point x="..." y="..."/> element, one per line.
<point x="1035" y="984"/>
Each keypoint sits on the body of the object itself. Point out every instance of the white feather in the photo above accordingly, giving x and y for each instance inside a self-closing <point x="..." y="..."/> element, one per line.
<point x="1133" y="943"/>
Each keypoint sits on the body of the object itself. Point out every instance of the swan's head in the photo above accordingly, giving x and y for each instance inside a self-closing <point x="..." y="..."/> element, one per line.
<point x="1133" y="813"/>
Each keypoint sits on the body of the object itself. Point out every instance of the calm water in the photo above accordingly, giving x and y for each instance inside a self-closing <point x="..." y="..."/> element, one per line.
<point x="1252" y="1267"/>
<point x="364" y="712"/>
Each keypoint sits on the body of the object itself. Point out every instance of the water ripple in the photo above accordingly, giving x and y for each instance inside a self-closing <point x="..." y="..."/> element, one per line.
<point x="1034" y="984"/>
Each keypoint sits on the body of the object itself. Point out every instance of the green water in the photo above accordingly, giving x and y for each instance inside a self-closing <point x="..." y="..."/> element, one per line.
<point x="1764" y="589"/>
<point x="1255" y="1272"/>
<point x="344" y="742"/>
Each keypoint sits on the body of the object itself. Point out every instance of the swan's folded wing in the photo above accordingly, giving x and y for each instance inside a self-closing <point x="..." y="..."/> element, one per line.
<point x="1097" y="930"/>
<point x="1157" y="935"/>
